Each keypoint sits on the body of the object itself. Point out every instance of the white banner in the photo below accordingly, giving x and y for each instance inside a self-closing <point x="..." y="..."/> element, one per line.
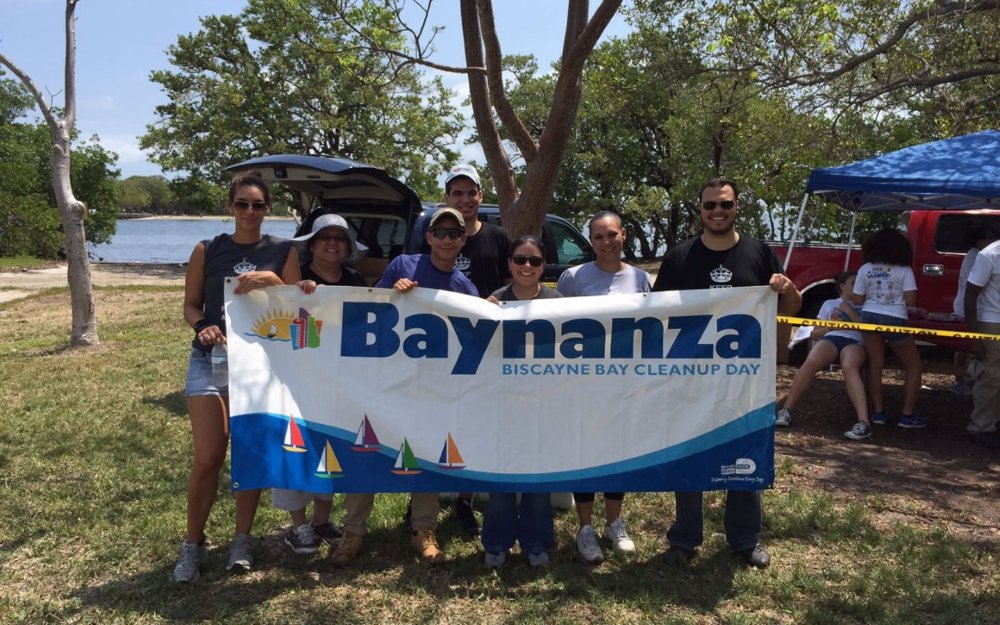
<point x="369" y="390"/>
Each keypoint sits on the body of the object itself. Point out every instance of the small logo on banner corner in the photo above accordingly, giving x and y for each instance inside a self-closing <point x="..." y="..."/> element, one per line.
<point x="742" y="466"/>
<point x="301" y="331"/>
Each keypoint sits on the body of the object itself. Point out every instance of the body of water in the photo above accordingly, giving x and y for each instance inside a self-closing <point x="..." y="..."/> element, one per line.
<point x="171" y="240"/>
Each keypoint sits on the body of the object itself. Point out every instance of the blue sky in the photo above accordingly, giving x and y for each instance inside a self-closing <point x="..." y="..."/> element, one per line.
<point x="120" y="41"/>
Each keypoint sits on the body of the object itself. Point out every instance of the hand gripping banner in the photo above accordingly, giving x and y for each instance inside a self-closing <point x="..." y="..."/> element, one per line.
<point x="368" y="390"/>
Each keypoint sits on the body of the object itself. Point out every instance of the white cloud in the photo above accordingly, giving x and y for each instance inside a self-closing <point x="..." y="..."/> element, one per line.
<point x="101" y="103"/>
<point x="131" y="160"/>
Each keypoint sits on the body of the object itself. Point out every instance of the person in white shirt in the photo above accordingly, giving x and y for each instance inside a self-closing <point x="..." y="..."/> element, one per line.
<point x="606" y="275"/>
<point x="982" y="313"/>
<point x="976" y="239"/>
<point x="887" y="287"/>
<point x="834" y="345"/>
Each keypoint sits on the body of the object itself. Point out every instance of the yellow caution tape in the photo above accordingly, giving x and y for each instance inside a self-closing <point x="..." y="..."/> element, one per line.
<point x="871" y="327"/>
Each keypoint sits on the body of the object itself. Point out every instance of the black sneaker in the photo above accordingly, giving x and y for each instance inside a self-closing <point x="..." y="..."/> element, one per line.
<point x="986" y="439"/>
<point x="678" y="557"/>
<point x="327" y="532"/>
<point x="466" y="517"/>
<point x="860" y="431"/>
<point x="755" y="556"/>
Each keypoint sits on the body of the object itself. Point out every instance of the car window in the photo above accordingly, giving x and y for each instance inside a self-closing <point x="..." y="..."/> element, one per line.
<point x="570" y="249"/>
<point x="383" y="235"/>
<point x="952" y="230"/>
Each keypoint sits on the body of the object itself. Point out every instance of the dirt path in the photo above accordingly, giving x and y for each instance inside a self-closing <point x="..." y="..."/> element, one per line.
<point x="931" y="477"/>
<point x="22" y="283"/>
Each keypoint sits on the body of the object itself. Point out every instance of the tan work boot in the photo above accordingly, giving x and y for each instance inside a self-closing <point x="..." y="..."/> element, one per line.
<point x="349" y="548"/>
<point x="426" y="543"/>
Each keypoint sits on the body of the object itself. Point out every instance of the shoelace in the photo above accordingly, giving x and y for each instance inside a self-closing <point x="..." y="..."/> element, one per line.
<point x="189" y="555"/>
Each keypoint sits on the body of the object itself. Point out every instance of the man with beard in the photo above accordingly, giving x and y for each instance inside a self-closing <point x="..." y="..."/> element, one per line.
<point x="722" y="258"/>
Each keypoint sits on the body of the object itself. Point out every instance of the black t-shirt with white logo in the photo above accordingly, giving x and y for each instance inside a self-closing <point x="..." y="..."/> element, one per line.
<point x="691" y="265"/>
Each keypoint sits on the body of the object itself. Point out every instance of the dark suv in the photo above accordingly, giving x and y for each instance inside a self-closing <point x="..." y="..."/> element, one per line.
<point x="386" y="215"/>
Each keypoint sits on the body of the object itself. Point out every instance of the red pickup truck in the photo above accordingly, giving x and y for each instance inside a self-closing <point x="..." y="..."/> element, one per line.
<point x="938" y="238"/>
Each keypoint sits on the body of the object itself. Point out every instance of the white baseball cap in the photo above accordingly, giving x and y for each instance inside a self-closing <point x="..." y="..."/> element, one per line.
<point x="462" y="169"/>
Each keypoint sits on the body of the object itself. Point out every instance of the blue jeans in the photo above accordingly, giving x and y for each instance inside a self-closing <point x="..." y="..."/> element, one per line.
<point x="530" y="522"/>
<point x="742" y="520"/>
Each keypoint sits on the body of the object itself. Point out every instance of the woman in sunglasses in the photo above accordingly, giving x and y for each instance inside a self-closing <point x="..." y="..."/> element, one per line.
<point x="256" y="260"/>
<point x="529" y="522"/>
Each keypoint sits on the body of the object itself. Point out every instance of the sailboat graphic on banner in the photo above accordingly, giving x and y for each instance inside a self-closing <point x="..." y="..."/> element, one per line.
<point x="366" y="439"/>
<point x="406" y="461"/>
<point x="329" y="466"/>
<point x="293" y="437"/>
<point x="450" y="456"/>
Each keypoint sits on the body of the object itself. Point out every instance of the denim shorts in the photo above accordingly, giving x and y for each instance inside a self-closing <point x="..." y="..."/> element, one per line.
<point x="199" y="376"/>
<point x="840" y="342"/>
<point x="885" y="320"/>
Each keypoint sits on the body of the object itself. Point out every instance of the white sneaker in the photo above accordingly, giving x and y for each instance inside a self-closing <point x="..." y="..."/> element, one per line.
<point x="783" y="418"/>
<point x="586" y="544"/>
<point x="240" y="554"/>
<point x="188" y="564"/>
<point x="619" y="538"/>
<point x="495" y="559"/>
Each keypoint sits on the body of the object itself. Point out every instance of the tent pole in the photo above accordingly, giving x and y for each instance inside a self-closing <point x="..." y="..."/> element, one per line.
<point x="850" y="240"/>
<point x="795" y="233"/>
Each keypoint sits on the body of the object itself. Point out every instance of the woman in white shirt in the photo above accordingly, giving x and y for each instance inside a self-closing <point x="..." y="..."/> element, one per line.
<point x="886" y="287"/>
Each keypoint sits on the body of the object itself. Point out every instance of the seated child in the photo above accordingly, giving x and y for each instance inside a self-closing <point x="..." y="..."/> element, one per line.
<point x="831" y="345"/>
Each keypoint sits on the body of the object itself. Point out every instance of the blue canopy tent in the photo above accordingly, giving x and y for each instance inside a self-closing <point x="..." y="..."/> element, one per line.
<point x="957" y="173"/>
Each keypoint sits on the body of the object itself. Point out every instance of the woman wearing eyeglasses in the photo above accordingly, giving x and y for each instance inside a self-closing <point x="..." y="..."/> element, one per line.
<point x="328" y="247"/>
<point x="256" y="261"/>
<point x="530" y="521"/>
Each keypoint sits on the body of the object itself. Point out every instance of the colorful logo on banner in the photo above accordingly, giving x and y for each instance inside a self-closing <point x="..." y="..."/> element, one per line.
<point x="302" y="331"/>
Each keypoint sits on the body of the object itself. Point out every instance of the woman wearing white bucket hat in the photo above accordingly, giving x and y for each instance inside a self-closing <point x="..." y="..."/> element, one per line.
<point x="327" y="247"/>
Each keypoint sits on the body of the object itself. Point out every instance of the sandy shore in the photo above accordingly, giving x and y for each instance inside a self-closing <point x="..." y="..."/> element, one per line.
<point x="17" y="284"/>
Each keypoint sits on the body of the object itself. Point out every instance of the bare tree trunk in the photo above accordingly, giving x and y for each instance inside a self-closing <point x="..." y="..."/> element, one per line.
<point x="521" y="212"/>
<point x="524" y="213"/>
<point x="72" y="212"/>
<point x="479" y="94"/>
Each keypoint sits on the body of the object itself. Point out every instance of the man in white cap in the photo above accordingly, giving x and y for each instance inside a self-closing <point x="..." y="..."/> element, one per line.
<point x="484" y="255"/>
<point x="484" y="261"/>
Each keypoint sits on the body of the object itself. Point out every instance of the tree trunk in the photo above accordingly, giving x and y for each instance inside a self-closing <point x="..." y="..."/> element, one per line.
<point x="524" y="212"/>
<point x="72" y="212"/>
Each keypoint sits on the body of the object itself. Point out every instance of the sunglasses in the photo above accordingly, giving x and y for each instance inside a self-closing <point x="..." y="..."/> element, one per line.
<point x="520" y="259"/>
<point x="243" y="205"/>
<point x="333" y="237"/>
<point x="724" y="204"/>
<point x="447" y="233"/>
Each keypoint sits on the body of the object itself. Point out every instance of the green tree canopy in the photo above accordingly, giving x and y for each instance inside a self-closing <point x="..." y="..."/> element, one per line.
<point x="29" y="221"/>
<point x="656" y="121"/>
<point x="287" y="77"/>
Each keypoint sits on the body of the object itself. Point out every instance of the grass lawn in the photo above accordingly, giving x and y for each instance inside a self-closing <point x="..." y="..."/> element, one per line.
<point x="94" y="456"/>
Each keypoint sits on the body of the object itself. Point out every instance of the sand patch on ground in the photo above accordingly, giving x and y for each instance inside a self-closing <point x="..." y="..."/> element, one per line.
<point x="18" y="284"/>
